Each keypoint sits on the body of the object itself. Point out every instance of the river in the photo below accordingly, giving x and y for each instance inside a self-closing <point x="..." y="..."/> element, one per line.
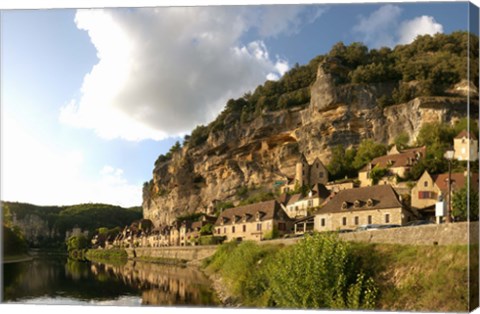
<point x="59" y="280"/>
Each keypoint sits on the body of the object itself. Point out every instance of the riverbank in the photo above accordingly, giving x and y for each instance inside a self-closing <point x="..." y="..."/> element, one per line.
<point x="405" y="277"/>
<point x="8" y="259"/>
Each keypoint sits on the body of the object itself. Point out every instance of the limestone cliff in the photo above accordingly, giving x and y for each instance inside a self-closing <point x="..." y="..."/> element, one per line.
<point x="265" y="150"/>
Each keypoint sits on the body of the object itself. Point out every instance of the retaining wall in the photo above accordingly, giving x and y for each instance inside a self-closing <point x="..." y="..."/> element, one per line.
<point x="187" y="253"/>
<point x="443" y="234"/>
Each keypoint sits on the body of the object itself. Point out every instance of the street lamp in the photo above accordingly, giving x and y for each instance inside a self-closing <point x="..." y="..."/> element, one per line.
<point x="449" y="156"/>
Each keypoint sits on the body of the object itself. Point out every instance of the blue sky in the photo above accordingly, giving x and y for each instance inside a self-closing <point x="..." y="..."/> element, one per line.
<point x="90" y="98"/>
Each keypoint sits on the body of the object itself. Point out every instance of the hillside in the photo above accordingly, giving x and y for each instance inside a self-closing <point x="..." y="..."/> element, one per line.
<point x="46" y="226"/>
<point x="341" y="98"/>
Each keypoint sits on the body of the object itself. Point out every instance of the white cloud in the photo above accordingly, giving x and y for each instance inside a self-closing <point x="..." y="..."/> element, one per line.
<point x="384" y="27"/>
<point x="422" y="25"/>
<point x="37" y="172"/>
<point x="162" y="71"/>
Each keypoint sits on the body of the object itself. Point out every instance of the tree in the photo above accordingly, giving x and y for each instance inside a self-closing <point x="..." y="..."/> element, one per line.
<point x="435" y="133"/>
<point x="77" y="243"/>
<point x="6" y="215"/>
<point x="340" y="165"/>
<point x="207" y="229"/>
<point x="401" y="140"/>
<point x="377" y="173"/>
<point x="367" y="151"/>
<point x="462" y="210"/>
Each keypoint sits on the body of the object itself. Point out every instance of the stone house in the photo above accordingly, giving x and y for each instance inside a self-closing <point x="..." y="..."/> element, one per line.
<point x="430" y="188"/>
<point x="336" y="187"/>
<point x="397" y="163"/>
<point x="298" y="205"/>
<point x="253" y="221"/>
<point x="348" y="209"/>
<point x="465" y="145"/>
<point x="307" y="174"/>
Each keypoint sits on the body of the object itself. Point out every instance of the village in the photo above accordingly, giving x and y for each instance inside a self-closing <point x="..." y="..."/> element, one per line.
<point x="349" y="205"/>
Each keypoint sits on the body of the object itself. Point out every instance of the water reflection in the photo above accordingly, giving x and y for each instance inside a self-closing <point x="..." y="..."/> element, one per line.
<point x="162" y="284"/>
<point x="57" y="280"/>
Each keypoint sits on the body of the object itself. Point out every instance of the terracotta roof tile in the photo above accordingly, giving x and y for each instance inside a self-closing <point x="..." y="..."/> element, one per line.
<point x="458" y="181"/>
<point x="382" y="196"/>
<point x="268" y="210"/>
<point x="466" y="134"/>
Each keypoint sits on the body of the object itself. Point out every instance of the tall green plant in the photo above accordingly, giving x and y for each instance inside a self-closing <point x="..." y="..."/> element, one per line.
<point x="319" y="272"/>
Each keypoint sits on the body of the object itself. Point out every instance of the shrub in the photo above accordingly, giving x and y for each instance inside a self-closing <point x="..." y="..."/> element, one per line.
<point x="319" y="272"/>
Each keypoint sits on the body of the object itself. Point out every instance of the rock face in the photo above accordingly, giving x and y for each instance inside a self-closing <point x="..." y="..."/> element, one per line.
<point x="266" y="149"/>
<point x="35" y="229"/>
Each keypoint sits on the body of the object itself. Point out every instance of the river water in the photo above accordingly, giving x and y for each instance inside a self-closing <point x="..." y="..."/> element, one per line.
<point x="58" y="280"/>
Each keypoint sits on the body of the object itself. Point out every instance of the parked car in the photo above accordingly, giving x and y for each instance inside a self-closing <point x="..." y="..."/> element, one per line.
<point x="417" y="223"/>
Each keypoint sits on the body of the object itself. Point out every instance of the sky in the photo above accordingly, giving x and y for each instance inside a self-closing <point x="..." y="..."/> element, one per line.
<point x="91" y="97"/>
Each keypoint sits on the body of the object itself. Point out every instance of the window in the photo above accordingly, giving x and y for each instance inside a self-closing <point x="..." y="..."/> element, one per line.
<point x="259" y="227"/>
<point x="281" y="226"/>
<point x="317" y="167"/>
<point x="233" y="229"/>
<point x="320" y="174"/>
<point x="244" y="229"/>
<point x="322" y="222"/>
<point x="218" y="230"/>
<point x="356" y="220"/>
<point x="369" y="220"/>
<point x="310" y="203"/>
<point x="225" y="230"/>
<point x="424" y="194"/>
<point x="344" y="221"/>
<point x="387" y="218"/>
<point x="425" y="184"/>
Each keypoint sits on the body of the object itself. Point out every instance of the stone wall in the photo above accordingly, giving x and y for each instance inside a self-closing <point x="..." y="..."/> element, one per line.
<point x="443" y="234"/>
<point x="188" y="253"/>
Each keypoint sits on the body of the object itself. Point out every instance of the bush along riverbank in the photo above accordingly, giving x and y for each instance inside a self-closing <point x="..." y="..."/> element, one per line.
<point x="107" y="256"/>
<point x="318" y="272"/>
<point x="323" y="272"/>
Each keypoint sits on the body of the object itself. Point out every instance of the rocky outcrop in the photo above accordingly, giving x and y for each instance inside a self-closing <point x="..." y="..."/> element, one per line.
<point x="265" y="150"/>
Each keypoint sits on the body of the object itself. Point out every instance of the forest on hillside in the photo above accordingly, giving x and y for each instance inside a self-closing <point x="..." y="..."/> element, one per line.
<point x="61" y="219"/>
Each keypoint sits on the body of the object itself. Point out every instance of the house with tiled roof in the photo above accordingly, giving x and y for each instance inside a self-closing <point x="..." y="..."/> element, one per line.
<point x="307" y="174"/>
<point x="298" y="205"/>
<point x="430" y="188"/>
<point x="465" y="145"/>
<point x="397" y="163"/>
<point x="253" y="221"/>
<point x="348" y="209"/>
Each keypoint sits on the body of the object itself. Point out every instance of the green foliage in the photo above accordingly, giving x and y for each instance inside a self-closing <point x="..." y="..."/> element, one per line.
<point x="317" y="272"/>
<point x="6" y="215"/>
<point x="210" y="240"/>
<point x="220" y="207"/>
<point x="435" y="133"/>
<point x="110" y="256"/>
<point x="207" y="229"/>
<point x="462" y="210"/>
<point x="377" y="173"/>
<point x="401" y="140"/>
<point x="199" y="136"/>
<point x="367" y="151"/>
<point x="13" y="241"/>
<point x="341" y="163"/>
<point x="320" y="272"/>
<point x="77" y="243"/>
<point x="85" y="216"/>
<point x="272" y="234"/>
<point x="260" y="196"/>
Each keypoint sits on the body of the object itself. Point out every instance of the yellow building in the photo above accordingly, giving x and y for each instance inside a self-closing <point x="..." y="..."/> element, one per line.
<point x="429" y="188"/>
<point x="349" y="209"/>
<point x="307" y="174"/>
<point x="397" y="163"/>
<point x="465" y="145"/>
<point x="252" y="222"/>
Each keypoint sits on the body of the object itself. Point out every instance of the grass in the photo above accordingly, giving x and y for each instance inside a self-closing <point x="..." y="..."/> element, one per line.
<point x="418" y="278"/>
<point x="408" y="278"/>
<point x="110" y="256"/>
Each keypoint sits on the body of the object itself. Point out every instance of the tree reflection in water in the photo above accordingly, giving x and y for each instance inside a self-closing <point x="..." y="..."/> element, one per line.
<point x="57" y="280"/>
<point x="162" y="284"/>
